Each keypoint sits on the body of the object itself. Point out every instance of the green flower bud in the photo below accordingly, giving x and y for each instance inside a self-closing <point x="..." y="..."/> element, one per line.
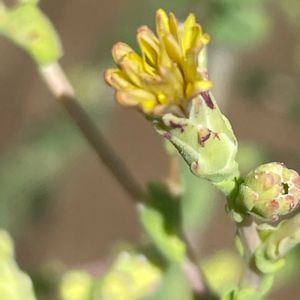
<point x="270" y="191"/>
<point x="205" y="140"/>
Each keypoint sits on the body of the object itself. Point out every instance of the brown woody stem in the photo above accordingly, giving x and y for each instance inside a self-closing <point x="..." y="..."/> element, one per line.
<point x="64" y="93"/>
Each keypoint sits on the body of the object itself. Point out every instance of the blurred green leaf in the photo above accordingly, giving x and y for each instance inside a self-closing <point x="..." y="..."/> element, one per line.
<point x="277" y="242"/>
<point x="30" y="167"/>
<point x="249" y="156"/>
<point x="29" y="28"/>
<point x="238" y="24"/>
<point x="174" y="286"/>
<point x="131" y="277"/>
<point x="14" y="284"/>
<point x="76" y="285"/>
<point x="198" y="200"/>
<point x="161" y="220"/>
<point x="223" y="270"/>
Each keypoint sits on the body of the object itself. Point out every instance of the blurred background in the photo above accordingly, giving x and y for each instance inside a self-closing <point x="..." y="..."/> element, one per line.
<point x="61" y="205"/>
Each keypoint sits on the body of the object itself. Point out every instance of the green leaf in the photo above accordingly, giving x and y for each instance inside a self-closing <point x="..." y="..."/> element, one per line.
<point x="174" y="286"/>
<point x="29" y="28"/>
<point x="198" y="200"/>
<point x="14" y="284"/>
<point x="161" y="220"/>
<point x="223" y="270"/>
<point x="277" y="243"/>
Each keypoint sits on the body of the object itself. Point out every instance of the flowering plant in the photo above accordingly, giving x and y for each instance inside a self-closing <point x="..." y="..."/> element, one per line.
<point x="169" y="84"/>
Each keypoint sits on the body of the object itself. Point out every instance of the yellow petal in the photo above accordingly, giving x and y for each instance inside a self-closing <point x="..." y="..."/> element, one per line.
<point x="203" y="85"/>
<point x="142" y="98"/>
<point x="200" y="39"/>
<point x="188" y="32"/>
<point x="172" y="47"/>
<point x="117" y="79"/>
<point x="125" y="99"/>
<point x="132" y="66"/>
<point x="206" y="38"/>
<point x="120" y="50"/>
<point x="164" y="60"/>
<point x="174" y="83"/>
<point x="149" y="44"/>
<point x="174" y="26"/>
<point x="162" y="98"/>
<point x="196" y="87"/>
<point x="162" y="22"/>
<point x="148" y="106"/>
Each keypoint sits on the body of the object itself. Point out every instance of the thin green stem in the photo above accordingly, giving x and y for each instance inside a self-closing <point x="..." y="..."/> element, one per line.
<point x="196" y="276"/>
<point x="191" y="265"/>
<point x="247" y="232"/>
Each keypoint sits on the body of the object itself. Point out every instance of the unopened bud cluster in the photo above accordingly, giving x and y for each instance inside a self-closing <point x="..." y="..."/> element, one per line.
<point x="270" y="191"/>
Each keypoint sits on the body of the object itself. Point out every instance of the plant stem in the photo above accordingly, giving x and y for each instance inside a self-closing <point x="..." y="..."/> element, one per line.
<point x="65" y="94"/>
<point x="191" y="267"/>
<point x="173" y="180"/>
<point x="250" y="240"/>
<point x="196" y="277"/>
<point x="63" y="91"/>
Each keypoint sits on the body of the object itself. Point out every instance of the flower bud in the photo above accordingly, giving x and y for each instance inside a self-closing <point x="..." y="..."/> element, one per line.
<point x="205" y="140"/>
<point x="270" y="191"/>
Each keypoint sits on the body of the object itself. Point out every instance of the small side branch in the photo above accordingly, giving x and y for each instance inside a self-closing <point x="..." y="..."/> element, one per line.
<point x="64" y="93"/>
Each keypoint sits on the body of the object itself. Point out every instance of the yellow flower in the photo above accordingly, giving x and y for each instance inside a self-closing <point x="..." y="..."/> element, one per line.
<point x="169" y="71"/>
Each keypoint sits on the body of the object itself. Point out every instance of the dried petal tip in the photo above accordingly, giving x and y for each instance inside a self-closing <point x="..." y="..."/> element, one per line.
<point x="171" y="68"/>
<point x="270" y="191"/>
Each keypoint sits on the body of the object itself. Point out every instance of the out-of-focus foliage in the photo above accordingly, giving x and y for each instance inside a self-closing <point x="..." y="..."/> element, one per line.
<point x="27" y="174"/>
<point x="161" y="220"/>
<point x="76" y="285"/>
<point x="131" y="277"/>
<point x="29" y="170"/>
<point x="197" y="202"/>
<point x="174" y="285"/>
<point x="237" y="24"/>
<point x="223" y="270"/>
<point x="28" y="27"/>
<point x="249" y="156"/>
<point x="292" y="10"/>
<point x="277" y="242"/>
<point x="14" y="284"/>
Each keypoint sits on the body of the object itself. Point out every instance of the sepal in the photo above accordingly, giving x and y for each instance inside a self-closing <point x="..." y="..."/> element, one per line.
<point x="205" y="139"/>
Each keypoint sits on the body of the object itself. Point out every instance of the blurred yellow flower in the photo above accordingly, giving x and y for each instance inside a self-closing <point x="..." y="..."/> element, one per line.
<point x="170" y="70"/>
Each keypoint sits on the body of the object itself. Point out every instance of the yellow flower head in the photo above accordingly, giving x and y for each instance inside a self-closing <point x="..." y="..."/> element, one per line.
<point x="168" y="73"/>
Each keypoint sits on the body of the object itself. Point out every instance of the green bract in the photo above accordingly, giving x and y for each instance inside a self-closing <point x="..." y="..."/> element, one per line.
<point x="205" y="140"/>
<point x="270" y="191"/>
<point x="276" y="243"/>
